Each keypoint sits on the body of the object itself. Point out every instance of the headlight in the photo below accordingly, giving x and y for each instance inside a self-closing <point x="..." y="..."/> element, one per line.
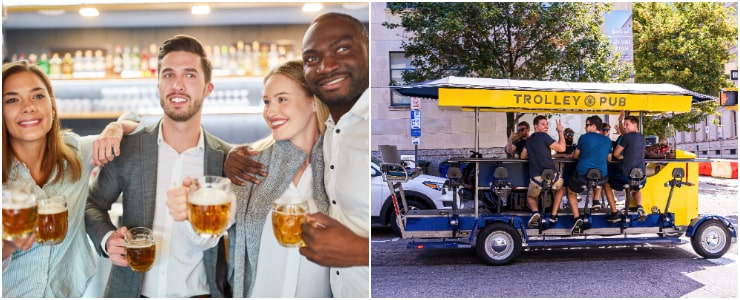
<point x="434" y="185"/>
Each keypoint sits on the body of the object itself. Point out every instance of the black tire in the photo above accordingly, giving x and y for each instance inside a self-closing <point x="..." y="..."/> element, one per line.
<point x="498" y="244"/>
<point x="712" y="239"/>
<point x="412" y="203"/>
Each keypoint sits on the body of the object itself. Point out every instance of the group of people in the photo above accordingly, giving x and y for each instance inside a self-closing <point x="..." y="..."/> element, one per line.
<point x="318" y="111"/>
<point x="593" y="150"/>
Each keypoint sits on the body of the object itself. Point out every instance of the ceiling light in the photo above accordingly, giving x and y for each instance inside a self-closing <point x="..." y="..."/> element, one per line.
<point x="312" y="7"/>
<point x="201" y="10"/>
<point x="89" y="12"/>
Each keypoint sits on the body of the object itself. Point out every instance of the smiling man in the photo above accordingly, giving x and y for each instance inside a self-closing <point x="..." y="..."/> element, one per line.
<point x="335" y="57"/>
<point x="152" y="161"/>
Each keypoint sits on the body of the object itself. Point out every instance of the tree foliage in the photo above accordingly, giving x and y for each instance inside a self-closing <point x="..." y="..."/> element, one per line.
<point x="687" y="44"/>
<point x="511" y="40"/>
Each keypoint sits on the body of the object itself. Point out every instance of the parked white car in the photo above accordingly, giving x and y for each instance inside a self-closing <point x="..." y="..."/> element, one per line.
<point x="422" y="192"/>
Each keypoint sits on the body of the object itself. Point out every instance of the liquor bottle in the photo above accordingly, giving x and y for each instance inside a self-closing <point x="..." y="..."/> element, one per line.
<point x="216" y="57"/>
<point x="247" y="65"/>
<point x="273" y="57"/>
<point x="135" y="59"/>
<point x="33" y="59"/>
<point x="153" y="60"/>
<point x="55" y="66"/>
<point x="44" y="63"/>
<point x="67" y="65"/>
<point x="99" y="61"/>
<point x="126" y="58"/>
<point x="88" y="61"/>
<point x="117" y="61"/>
<point x="78" y="64"/>
<point x="256" y="69"/>
<point x="264" y="61"/>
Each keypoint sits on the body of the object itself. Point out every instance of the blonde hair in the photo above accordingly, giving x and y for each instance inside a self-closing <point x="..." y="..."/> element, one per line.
<point x="57" y="151"/>
<point x="294" y="70"/>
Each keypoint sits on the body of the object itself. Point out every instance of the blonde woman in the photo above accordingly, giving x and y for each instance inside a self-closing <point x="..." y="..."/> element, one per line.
<point x="258" y="265"/>
<point x="58" y="162"/>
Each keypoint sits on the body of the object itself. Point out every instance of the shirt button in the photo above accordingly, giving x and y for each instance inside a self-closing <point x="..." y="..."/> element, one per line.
<point x="337" y="131"/>
<point x="337" y="272"/>
<point x="331" y="167"/>
<point x="333" y="201"/>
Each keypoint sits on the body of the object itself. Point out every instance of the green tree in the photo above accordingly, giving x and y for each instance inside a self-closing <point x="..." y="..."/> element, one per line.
<point x="687" y="44"/>
<point x="512" y="40"/>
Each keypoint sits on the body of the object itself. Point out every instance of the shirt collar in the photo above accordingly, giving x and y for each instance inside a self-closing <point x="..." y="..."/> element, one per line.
<point x="201" y="139"/>
<point x="361" y="108"/>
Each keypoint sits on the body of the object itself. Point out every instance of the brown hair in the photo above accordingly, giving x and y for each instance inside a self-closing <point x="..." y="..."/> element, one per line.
<point x="57" y="151"/>
<point x="182" y="42"/>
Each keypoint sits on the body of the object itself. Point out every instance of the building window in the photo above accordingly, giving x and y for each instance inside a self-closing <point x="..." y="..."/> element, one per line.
<point x="398" y="64"/>
<point x="733" y="151"/>
<point x="717" y="152"/>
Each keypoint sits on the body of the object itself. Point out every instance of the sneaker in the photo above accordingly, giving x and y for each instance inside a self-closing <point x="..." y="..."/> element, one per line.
<point x="576" y="230"/>
<point x="553" y="219"/>
<point x="614" y="218"/>
<point x="596" y="206"/>
<point x="534" y="221"/>
<point x="641" y="215"/>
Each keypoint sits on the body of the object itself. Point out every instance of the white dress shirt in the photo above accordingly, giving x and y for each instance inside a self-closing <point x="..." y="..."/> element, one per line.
<point x="346" y="157"/>
<point x="283" y="272"/>
<point x="178" y="270"/>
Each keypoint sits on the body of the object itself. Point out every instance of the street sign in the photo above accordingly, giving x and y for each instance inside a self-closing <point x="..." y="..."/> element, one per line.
<point x="415" y="140"/>
<point x="415" y="123"/>
<point x="415" y="103"/>
<point x="733" y="74"/>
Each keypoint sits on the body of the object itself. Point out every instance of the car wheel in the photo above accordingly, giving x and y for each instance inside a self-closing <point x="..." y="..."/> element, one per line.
<point x="412" y="204"/>
<point x="498" y="244"/>
<point x="712" y="239"/>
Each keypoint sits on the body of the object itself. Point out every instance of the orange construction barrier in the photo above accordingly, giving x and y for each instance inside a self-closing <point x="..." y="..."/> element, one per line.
<point x="705" y="169"/>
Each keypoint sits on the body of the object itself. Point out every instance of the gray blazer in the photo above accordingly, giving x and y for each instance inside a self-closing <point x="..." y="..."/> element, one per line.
<point x="134" y="173"/>
<point x="254" y="202"/>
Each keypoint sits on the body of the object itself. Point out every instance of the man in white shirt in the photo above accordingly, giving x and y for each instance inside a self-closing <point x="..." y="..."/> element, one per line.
<point x="336" y="67"/>
<point x="156" y="158"/>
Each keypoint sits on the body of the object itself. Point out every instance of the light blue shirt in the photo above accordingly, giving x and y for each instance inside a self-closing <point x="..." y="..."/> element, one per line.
<point x="62" y="270"/>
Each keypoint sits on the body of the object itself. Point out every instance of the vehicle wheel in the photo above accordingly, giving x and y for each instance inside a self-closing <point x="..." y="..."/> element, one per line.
<point x="412" y="203"/>
<point x="712" y="239"/>
<point x="498" y="244"/>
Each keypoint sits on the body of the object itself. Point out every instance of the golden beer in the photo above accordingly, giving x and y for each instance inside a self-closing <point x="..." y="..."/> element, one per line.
<point x="19" y="221"/>
<point x="19" y="209"/>
<point x="140" y="255"/>
<point x="52" y="226"/>
<point x="286" y="223"/>
<point x="209" y="205"/>
<point x="52" y="221"/>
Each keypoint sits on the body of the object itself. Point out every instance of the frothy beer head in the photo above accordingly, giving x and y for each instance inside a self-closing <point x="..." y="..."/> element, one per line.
<point x="52" y="208"/>
<point x="205" y="197"/>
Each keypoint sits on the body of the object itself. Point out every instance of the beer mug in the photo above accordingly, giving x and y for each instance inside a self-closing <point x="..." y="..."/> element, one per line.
<point x="19" y="209"/>
<point x="139" y="249"/>
<point x="209" y="204"/>
<point x="52" y="220"/>
<point x="288" y="213"/>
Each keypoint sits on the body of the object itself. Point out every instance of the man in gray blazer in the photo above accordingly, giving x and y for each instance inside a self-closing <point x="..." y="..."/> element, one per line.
<point x="152" y="160"/>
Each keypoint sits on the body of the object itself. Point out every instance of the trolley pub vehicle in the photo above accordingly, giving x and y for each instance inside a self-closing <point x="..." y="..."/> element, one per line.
<point x="496" y="224"/>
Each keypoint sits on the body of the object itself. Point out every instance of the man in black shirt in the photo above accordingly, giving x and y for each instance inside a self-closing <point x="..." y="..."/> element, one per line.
<point x="537" y="151"/>
<point x="517" y="139"/>
<point x="630" y="150"/>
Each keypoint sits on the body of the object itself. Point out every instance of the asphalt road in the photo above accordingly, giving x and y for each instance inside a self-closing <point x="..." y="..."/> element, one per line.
<point x="621" y="272"/>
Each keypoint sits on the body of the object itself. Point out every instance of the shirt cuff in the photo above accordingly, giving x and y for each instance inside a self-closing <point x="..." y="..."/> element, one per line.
<point x="104" y="240"/>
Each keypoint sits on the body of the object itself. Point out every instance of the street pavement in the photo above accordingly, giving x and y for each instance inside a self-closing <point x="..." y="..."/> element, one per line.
<point x="612" y="272"/>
